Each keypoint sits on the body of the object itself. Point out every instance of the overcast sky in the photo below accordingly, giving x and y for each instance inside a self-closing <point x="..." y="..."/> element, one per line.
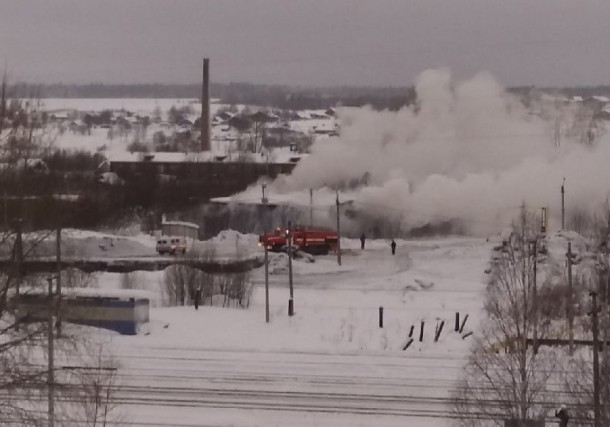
<point x="307" y="42"/>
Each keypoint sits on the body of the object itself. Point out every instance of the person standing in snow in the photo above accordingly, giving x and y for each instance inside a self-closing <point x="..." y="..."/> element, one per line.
<point x="393" y="246"/>
<point x="362" y="240"/>
<point x="197" y="297"/>
<point x="562" y="414"/>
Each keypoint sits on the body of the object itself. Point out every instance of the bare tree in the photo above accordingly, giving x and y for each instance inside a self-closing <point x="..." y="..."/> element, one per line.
<point x="579" y="378"/>
<point x="20" y="373"/>
<point x="24" y="380"/>
<point x="508" y="375"/>
<point x="88" y="384"/>
<point x="75" y="278"/>
<point x="580" y="221"/>
<point x="182" y="284"/>
<point x="131" y="281"/>
<point x="179" y="282"/>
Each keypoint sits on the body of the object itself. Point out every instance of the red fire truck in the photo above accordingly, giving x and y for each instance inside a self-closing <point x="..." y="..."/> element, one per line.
<point x="315" y="241"/>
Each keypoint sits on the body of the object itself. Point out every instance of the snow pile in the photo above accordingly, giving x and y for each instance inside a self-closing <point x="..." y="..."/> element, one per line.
<point x="83" y="244"/>
<point x="228" y="244"/>
<point x="232" y="238"/>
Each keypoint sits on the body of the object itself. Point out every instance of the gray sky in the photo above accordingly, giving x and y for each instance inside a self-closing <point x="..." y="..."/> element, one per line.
<point x="308" y="42"/>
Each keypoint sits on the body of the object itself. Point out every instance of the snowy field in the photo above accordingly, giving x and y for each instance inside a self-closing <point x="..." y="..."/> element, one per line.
<point x="330" y="364"/>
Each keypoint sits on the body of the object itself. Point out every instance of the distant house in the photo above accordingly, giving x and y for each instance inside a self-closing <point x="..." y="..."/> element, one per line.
<point x="326" y="128"/>
<point x="596" y="103"/>
<point x="59" y="117"/>
<point x="240" y="123"/>
<point x="299" y="115"/>
<point x="263" y="117"/>
<point x="33" y="165"/>
<point x="604" y="114"/>
<point x="223" y="117"/>
<point x="110" y="178"/>
<point x="185" y="123"/>
<point x="281" y="137"/>
<point x="78" y="126"/>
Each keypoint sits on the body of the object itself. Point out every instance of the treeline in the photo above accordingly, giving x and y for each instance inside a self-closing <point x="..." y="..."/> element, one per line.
<point x="273" y="96"/>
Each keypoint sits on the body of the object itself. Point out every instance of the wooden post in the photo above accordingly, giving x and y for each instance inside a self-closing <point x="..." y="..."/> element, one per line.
<point x="266" y="281"/>
<point x="570" y="304"/>
<point x="438" y="331"/>
<point x="58" y="272"/>
<point x="408" y="344"/>
<point x="338" y="230"/>
<point x="463" y="323"/>
<point x="291" y="300"/>
<point x="50" y="358"/>
<point x="19" y="272"/>
<point x="311" y="207"/>
<point x="596" y="383"/>
<point x="563" y="205"/>
<point x="535" y="295"/>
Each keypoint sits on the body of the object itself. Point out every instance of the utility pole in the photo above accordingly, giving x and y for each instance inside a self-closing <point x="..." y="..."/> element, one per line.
<point x="19" y="256"/>
<point x="535" y="294"/>
<point x="264" y="199"/>
<point x="570" y="305"/>
<point x="291" y="300"/>
<point x="311" y="207"/>
<point x="563" y="206"/>
<point x="266" y="281"/>
<point x="596" y="402"/>
<point x="338" y="229"/>
<point x="604" y="291"/>
<point x="58" y="272"/>
<point x="51" y="351"/>
<point x="5" y="210"/>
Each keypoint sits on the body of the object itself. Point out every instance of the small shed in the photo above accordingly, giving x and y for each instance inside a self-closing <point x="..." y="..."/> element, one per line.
<point x="180" y="228"/>
<point x="121" y="310"/>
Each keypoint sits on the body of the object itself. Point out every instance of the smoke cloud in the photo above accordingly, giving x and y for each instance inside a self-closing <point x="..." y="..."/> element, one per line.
<point x="468" y="152"/>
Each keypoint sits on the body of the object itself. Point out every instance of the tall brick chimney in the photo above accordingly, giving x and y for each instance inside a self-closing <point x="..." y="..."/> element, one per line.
<point x="205" y="107"/>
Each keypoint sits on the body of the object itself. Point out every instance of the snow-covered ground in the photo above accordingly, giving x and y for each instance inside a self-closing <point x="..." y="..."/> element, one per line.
<point x="330" y="364"/>
<point x="113" y="143"/>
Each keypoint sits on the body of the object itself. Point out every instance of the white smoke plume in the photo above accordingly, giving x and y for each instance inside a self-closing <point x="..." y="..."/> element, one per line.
<point x="468" y="151"/>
